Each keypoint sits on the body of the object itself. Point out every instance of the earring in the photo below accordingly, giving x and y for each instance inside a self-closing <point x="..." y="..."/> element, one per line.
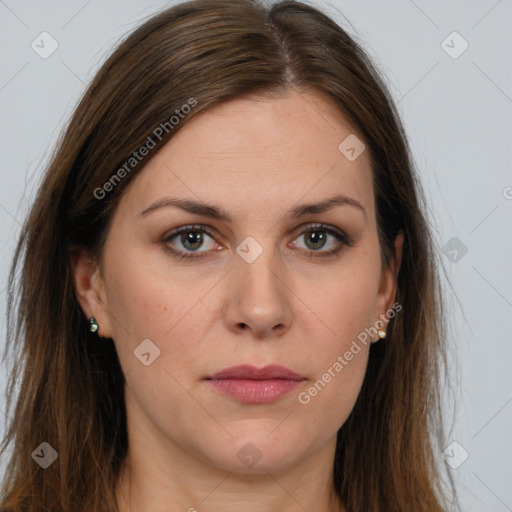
<point x="382" y="333"/>
<point x="93" y="325"/>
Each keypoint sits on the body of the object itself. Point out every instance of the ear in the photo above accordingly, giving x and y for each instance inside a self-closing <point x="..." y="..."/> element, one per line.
<point x="90" y="290"/>
<point x="388" y="283"/>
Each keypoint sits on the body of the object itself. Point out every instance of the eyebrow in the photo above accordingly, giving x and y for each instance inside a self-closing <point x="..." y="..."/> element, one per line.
<point x="218" y="213"/>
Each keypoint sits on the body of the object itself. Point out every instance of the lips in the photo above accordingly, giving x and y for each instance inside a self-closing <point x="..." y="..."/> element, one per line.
<point x="252" y="385"/>
<point x="252" y="373"/>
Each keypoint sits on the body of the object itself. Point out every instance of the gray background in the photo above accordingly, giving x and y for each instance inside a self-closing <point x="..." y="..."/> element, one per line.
<point x="457" y="113"/>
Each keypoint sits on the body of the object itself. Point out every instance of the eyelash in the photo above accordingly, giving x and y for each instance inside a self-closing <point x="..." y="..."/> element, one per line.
<point x="342" y="238"/>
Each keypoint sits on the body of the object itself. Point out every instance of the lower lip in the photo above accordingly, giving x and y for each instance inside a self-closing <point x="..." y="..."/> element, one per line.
<point x="255" y="391"/>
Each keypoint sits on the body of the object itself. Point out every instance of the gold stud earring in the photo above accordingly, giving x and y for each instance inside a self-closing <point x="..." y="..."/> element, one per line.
<point x="382" y="333"/>
<point x="93" y="325"/>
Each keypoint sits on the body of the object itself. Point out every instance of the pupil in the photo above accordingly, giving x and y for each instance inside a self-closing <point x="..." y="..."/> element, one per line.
<point x="316" y="238"/>
<point x="189" y="237"/>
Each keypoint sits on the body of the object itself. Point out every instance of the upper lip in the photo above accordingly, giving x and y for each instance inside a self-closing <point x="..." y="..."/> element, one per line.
<point x="249" y="372"/>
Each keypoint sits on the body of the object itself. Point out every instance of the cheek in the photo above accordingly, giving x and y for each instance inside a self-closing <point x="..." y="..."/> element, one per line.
<point x="339" y="366"/>
<point x="147" y="302"/>
<point x="342" y="308"/>
<point x="170" y="314"/>
<point x="340" y="353"/>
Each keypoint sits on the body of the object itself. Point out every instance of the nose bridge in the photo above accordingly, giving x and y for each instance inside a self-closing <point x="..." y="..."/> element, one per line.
<point x="257" y="295"/>
<point x="258" y="264"/>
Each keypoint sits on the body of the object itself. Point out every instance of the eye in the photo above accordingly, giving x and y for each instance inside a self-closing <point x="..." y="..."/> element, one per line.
<point x="317" y="237"/>
<point x="191" y="238"/>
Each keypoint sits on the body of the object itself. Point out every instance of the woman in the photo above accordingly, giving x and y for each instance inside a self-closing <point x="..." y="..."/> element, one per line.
<point x="227" y="295"/>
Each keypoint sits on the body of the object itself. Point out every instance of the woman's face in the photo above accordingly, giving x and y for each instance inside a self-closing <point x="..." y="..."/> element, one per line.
<point x="260" y="289"/>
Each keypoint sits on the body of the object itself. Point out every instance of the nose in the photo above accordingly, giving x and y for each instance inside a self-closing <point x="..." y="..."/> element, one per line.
<point x="257" y="297"/>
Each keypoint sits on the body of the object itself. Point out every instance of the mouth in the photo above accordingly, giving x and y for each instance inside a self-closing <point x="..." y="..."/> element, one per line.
<point x="251" y="385"/>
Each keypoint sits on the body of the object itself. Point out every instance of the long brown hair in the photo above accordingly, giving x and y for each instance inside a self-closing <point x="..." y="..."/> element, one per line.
<point x="71" y="387"/>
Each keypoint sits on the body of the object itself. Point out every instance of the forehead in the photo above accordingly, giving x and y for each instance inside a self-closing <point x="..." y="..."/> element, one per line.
<point x="259" y="154"/>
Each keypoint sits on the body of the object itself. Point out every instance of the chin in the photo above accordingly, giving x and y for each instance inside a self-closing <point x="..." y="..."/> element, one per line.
<point x="257" y="454"/>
